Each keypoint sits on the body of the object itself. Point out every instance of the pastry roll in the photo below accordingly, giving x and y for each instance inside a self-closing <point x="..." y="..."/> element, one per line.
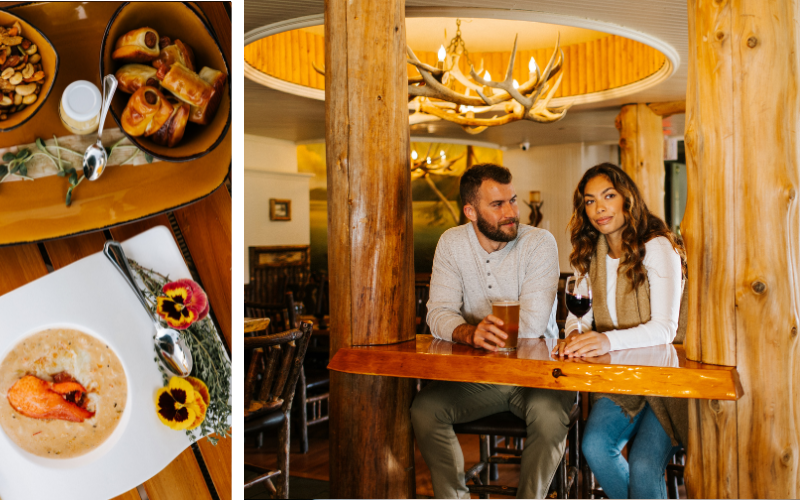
<point x="174" y="52"/>
<point x="185" y="84"/>
<point x="147" y="111"/>
<point x="172" y="131"/>
<point x="137" y="46"/>
<point x="204" y="113"/>
<point x="132" y="77"/>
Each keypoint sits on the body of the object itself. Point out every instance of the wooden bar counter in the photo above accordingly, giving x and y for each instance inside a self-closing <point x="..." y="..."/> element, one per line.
<point x="651" y="371"/>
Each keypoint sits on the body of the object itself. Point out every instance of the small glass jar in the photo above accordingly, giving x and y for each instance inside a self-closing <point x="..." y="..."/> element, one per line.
<point x="79" y="109"/>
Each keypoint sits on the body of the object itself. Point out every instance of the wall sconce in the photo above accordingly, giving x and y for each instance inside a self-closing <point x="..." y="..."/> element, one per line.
<point x="536" y="208"/>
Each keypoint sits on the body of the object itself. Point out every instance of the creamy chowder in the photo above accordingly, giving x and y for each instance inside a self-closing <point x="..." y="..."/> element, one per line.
<point x="87" y="360"/>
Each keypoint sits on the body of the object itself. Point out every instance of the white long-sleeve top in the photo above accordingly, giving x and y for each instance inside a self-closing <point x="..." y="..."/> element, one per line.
<point x="663" y="266"/>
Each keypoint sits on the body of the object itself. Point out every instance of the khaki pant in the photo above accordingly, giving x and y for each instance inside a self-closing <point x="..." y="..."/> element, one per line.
<point x="441" y="404"/>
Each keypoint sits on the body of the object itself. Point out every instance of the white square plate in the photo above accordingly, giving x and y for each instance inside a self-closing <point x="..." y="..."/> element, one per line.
<point x="90" y="295"/>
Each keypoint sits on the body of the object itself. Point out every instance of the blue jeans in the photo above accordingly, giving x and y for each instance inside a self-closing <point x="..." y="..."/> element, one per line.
<point x="608" y="430"/>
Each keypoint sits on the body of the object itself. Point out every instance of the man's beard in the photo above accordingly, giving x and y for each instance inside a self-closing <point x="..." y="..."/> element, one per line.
<point x="496" y="233"/>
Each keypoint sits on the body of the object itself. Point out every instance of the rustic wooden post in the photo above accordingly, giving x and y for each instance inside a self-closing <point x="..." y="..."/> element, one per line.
<point x="369" y="241"/>
<point x="742" y="233"/>
<point x="641" y="143"/>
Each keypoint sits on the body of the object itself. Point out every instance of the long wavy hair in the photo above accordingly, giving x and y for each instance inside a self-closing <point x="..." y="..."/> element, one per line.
<point x="640" y="226"/>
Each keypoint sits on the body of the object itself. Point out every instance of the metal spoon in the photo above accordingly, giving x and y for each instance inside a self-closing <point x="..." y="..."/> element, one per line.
<point x="173" y="352"/>
<point x="95" y="157"/>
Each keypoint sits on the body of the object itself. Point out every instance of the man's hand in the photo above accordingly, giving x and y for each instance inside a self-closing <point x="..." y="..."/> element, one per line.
<point x="487" y="335"/>
<point x="588" y="344"/>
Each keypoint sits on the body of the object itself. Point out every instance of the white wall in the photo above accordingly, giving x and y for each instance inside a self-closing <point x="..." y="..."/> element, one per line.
<point x="269" y="155"/>
<point x="555" y="171"/>
<point x="271" y="172"/>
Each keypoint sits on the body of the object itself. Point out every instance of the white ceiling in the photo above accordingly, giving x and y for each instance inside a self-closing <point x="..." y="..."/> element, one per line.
<point x="279" y="115"/>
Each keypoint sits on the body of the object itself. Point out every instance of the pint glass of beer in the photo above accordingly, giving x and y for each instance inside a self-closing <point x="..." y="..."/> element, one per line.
<point x="508" y="312"/>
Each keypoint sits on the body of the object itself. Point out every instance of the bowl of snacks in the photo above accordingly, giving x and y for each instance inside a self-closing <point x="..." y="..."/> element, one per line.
<point x="173" y="99"/>
<point x="28" y="69"/>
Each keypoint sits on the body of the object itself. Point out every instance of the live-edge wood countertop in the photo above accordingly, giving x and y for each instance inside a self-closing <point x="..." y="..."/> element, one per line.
<point x="651" y="371"/>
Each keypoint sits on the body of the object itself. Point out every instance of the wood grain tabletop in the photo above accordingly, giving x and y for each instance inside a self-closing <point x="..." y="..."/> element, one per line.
<point x="652" y="371"/>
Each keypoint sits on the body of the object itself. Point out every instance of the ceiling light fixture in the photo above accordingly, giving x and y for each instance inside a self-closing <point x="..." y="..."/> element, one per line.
<point x="432" y="93"/>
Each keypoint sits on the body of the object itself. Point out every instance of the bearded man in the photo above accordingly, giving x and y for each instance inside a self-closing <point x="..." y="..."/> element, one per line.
<point x="489" y="259"/>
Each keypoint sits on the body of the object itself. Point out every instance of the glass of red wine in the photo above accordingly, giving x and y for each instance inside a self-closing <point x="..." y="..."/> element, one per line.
<point x="578" y="297"/>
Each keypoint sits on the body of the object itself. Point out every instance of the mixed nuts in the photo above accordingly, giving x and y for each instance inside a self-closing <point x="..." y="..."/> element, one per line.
<point x="21" y="73"/>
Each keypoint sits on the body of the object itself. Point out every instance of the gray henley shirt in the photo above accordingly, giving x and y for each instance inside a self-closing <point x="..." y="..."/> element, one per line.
<point x="466" y="280"/>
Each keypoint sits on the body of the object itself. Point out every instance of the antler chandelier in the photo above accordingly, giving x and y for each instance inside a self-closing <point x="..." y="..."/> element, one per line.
<point x="433" y="94"/>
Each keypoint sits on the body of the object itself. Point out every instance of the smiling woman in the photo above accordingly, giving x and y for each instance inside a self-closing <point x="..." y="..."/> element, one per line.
<point x="636" y="267"/>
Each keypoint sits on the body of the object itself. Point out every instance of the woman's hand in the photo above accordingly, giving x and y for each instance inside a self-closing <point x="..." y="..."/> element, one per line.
<point x="559" y="349"/>
<point x="587" y="345"/>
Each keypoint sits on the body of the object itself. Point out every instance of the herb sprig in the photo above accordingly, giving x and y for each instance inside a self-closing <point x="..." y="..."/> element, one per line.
<point x="17" y="164"/>
<point x="211" y="364"/>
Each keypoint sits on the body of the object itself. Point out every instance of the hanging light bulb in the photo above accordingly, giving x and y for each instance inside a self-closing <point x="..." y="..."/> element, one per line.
<point x="441" y="153"/>
<point x="516" y="84"/>
<point x="429" y="160"/>
<point x="413" y="155"/>
<point x="442" y="54"/>
<point x="532" y="66"/>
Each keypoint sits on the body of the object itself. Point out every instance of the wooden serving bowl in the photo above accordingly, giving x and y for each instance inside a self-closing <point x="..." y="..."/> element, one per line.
<point x="177" y="20"/>
<point x="49" y="65"/>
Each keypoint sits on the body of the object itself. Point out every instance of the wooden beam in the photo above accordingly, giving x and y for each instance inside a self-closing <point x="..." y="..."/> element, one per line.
<point x="371" y="264"/>
<point x="641" y="142"/>
<point x="741" y="229"/>
<point x="665" y="109"/>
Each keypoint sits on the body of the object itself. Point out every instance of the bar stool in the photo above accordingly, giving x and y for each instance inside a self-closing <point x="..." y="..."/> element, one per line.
<point x="509" y="425"/>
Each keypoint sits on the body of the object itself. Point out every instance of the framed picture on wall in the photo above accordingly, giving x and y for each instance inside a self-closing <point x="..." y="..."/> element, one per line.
<point x="280" y="209"/>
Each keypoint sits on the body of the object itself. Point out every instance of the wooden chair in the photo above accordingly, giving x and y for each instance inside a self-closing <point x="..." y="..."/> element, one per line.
<point x="675" y="473"/>
<point x="422" y="293"/>
<point x="312" y="402"/>
<point x="282" y="315"/>
<point x="269" y="389"/>
<point x="320" y="296"/>
<point x="514" y="430"/>
<point x="274" y="270"/>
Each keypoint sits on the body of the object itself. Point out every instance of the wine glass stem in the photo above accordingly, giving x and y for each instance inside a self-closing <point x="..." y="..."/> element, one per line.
<point x="580" y="325"/>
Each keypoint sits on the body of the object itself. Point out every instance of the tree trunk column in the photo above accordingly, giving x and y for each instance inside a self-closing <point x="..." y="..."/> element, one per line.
<point x="742" y="234"/>
<point x="370" y="242"/>
<point x="641" y="142"/>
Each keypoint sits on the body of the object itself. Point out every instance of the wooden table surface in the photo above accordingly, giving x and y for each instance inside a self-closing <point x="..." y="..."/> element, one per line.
<point x="255" y="324"/>
<point x="205" y="226"/>
<point x="652" y="371"/>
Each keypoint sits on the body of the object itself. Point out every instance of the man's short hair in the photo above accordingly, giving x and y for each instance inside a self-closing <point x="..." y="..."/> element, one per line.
<point x="473" y="178"/>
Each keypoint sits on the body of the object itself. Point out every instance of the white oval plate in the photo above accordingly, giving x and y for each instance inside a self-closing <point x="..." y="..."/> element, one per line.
<point x="91" y="296"/>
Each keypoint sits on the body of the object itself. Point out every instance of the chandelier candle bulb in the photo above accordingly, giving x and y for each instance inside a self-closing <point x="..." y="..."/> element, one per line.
<point x="488" y="90"/>
<point x="414" y="155"/>
<point x="442" y="54"/>
<point x="516" y="84"/>
<point x="533" y="68"/>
